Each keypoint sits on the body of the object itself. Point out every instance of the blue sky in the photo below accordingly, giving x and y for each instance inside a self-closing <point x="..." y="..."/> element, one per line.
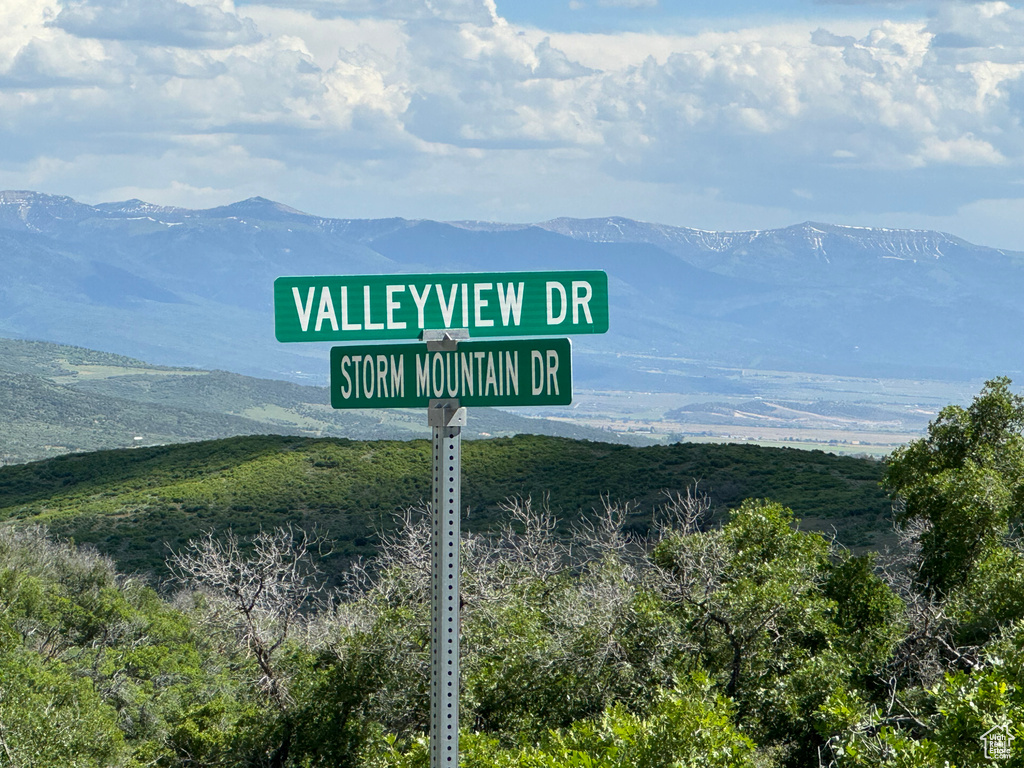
<point x="688" y="15"/>
<point x="717" y="115"/>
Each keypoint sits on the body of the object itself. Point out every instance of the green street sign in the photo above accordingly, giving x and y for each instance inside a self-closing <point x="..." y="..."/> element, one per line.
<point x="401" y="306"/>
<point x="517" y="372"/>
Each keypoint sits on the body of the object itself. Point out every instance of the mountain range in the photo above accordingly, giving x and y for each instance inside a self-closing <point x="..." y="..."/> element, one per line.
<point x="185" y="287"/>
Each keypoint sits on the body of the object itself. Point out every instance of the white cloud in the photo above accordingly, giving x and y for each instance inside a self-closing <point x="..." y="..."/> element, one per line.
<point x="459" y="11"/>
<point x="963" y="150"/>
<point x="444" y="98"/>
<point x="166" y="22"/>
<point x="886" y="102"/>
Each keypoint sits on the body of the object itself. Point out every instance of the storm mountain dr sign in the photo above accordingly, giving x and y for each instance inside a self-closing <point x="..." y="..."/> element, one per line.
<point x="502" y="372"/>
<point x="401" y="306"/>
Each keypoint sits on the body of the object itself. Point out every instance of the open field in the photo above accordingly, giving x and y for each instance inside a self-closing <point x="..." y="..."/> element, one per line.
<point x="842" y="414"/>
<point x="844" y="441"/>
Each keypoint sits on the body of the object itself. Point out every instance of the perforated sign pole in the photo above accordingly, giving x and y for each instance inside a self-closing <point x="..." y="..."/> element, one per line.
<point x="446" y="419"/>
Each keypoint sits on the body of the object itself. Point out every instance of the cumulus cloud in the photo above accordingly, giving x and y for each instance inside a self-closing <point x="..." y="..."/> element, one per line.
<point x="472" y="11"/>
<point x="167" y="22"/>
<point x="350" y="93"/>
<point x="840" y="110"/>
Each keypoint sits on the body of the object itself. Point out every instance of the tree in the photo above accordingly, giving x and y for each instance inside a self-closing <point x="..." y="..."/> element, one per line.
<point x="965" y="481"/>
<point x="953" y="715"/>
<point x="751" y="598"/>
<point x="260" y="593"/>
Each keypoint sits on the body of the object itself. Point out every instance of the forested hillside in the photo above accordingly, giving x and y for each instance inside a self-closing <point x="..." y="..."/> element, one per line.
<point x="732" y="640"/>
<point x="132" y="504"/>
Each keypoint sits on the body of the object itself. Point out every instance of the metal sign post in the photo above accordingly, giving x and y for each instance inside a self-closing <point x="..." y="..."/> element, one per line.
<point x="446" y="419"/>
<point x="443" y="310"/>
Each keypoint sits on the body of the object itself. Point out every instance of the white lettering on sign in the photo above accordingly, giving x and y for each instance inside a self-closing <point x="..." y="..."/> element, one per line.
<point x="447" y="308"/>
<point x="467" y="305"/>
<point x="467" y="374"/>
<point x="492" y="377"/>
<point x="511" y="303"/>
<point x="544" y="372"/>
<point x="422" y="376"/>
<point x="552" y="382"/>
<point x="421" y="304"/>
<point x="346" y="324"/>
<point x="553" y="288"/>
<point x="479" y="304"/>
<point x="366" y="311"/>
<point x="582" y="293"/>
<point x="393" y="304"/>
<point x="372" y="376"/>
<point x="304" y="310"/>
<point x="326" y="311"/>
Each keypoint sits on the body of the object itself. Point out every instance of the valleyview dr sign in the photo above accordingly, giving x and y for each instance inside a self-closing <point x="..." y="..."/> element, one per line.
<point x="489" y="373"/>
<point x="357" y="307"/>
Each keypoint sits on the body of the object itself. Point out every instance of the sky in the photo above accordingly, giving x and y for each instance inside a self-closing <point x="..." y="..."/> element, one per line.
<point x="714" y="114"/>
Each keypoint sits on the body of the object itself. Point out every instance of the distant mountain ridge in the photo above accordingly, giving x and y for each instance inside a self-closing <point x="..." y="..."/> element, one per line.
<point x="35" y="208"/>
<point x="617" y="229"/>
<point x="193" y="287"/>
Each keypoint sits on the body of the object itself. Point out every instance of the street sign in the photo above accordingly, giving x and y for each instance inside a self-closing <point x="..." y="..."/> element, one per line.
<point x="362" y="307"/>
<point x="490" y="373"/>
<point x="445" y="373"/>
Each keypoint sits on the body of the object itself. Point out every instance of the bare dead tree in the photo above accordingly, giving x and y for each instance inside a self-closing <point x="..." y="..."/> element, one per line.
<point x="260" y="592"/>
<point x="900" y="566"/>
<point x="525" y="549"/>
<point x="699" y="566"/>
<point x="399" y="572"/>
<point x="528" y="537"/>
<point x="604" y="535"/>
<point x="683" y="513"/>
<point x="929" y="646"/>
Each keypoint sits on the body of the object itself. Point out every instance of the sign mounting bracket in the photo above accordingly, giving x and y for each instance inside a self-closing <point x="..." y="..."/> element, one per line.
<point x="446" y="340"/>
